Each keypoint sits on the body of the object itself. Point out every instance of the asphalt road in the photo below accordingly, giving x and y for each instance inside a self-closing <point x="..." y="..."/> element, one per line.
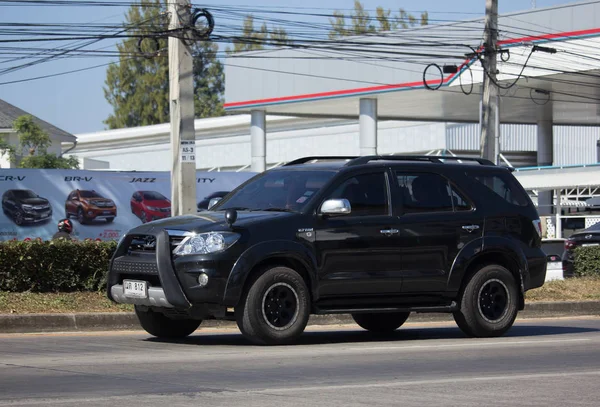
<point x="539" y="363"/>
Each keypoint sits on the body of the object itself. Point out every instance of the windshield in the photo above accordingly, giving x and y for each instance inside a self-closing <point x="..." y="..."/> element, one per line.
<point x="153" y="196"/>
<point x="24" y="194"/>
<point x="277" y="190"/>
<point x="89" y="194"/>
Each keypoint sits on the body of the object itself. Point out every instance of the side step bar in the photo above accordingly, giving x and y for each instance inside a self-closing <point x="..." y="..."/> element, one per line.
<point x="439" y="308"/>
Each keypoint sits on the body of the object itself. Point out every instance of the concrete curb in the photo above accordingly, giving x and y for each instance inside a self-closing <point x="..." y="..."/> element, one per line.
<point x="33" y="323"/>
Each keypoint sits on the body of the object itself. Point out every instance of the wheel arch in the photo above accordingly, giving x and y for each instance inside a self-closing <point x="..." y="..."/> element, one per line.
<point x="503" y="253"/>
<point x="267" y="255"/>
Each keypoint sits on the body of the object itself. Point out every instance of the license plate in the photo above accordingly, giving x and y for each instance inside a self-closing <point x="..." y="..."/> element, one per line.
<point x="135" y="289"/>
<point x="590" y="244"/>
<point x="107" y="212"/>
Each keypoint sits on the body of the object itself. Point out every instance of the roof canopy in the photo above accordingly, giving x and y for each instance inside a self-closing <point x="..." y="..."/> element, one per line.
<point x="559" y="177"/>
<point x="329" y="79"/>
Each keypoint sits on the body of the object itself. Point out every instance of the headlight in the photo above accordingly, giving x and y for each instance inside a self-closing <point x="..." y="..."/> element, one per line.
<point x="204" y="243"/>
<point x="154" y="208"/>
<point x="27" y="207"/>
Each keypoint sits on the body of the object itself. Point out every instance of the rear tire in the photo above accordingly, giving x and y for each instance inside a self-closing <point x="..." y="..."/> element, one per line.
<point x="275" y="308"/>
<point x="159" y="325"/>
<point x="381" y="323"/>
<point x="488" y="303"/>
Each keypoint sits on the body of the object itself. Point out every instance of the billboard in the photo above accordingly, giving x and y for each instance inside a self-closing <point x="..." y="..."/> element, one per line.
<point x="102" y="204"/>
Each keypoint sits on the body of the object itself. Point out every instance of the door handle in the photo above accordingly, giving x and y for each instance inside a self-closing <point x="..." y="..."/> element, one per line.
<point x="389" y="232"/>
<point x="470" y="228"/>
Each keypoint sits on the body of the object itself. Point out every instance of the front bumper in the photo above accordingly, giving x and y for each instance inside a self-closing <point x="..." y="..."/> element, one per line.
<point x="156" y="297"/>
<point x="173" y="282"/>
<point x="34" y="217"/>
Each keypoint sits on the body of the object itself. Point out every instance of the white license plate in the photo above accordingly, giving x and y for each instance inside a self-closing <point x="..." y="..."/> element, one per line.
<point x="590" y="244"/>
<point x="135" y="289"/>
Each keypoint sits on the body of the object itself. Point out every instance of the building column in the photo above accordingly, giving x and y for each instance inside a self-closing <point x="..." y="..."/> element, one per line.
<point x="545" y="153"/>
<point x="368" y="127"/>
<point x="258" y="140"/>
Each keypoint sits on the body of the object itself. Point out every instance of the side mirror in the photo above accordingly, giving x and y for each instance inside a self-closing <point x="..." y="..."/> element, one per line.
<point x="334" y="207"/>
<point x="213" y="202"/>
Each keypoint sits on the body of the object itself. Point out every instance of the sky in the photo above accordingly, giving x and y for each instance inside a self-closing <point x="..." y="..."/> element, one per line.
<point x="75" y="102"/>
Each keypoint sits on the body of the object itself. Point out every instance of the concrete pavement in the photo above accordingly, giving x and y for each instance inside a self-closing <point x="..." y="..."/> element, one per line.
<point x="546" y="362"/>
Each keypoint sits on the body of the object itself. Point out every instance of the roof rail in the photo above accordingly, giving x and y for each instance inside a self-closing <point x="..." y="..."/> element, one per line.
<point x="426" y="158"/>
<point x="305" y="160"/>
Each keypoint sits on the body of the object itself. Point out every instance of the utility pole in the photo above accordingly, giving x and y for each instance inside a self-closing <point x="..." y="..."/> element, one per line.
<point x="181" y="99"/>
<point x="489" y="112"/>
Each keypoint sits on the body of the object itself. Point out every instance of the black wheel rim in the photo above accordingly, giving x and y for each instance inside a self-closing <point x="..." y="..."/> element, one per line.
<point x="280" y="306"/>
<point x="144" y="219"/>
<point x="18" y="218"/>
<point x="80" y="215"/>
<point x="493" y="300"/>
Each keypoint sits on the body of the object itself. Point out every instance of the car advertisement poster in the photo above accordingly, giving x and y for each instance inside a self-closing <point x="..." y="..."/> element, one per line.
<point x="101" y="204"/>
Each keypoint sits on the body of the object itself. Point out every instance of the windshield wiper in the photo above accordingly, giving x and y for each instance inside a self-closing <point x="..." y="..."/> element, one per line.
<point x="277" y="210"/>
<point x="235" y="208"/>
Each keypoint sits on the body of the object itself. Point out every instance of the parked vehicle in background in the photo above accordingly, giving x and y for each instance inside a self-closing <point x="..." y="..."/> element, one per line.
<point x="25" y="206"/>
<point x="554" y="248"/>
<point x="374" y="237"/>
<point x="87" y="206"/>
<point x="150" y="205"/>
<point x="586" y="238"/>
<point x="204" y="204"/>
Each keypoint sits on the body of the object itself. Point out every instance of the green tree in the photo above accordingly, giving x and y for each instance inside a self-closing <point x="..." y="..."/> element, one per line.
<point x="32" y="150"/>
<point x="138" y="88"/>
<point x="362" y="23"/>
<point x="253" y="39"/>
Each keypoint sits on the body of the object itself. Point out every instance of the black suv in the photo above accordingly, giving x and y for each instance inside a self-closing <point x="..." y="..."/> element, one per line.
<point x="25" y="206"/>
<point x="375" y="237"/>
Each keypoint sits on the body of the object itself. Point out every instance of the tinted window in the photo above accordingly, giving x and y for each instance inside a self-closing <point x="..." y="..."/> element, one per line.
<point x="279" y="189"/>
<point x="153" y="196"/>
<point x="366" y="193"/>
<point x="594" y="228"/>
<point x="24" y="194"/>
<point x="424" y="192"/>
<point x="89" y="194"/>
<point x="504" y="186"/>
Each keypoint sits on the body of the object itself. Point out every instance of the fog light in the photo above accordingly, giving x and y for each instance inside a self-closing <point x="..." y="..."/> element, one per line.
<point x="202" y="280"/>
<point x="90" y="213"/>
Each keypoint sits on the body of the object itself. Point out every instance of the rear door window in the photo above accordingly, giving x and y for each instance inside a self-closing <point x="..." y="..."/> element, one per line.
<point x="429" y="192"/>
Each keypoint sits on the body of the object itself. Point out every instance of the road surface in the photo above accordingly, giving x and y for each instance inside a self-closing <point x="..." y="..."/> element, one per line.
<point x="552" y="362"/>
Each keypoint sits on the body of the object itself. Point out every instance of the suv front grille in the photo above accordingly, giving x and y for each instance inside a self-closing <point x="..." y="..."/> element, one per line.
<point x="175" y="241"/>
<point x="143" y="243"/>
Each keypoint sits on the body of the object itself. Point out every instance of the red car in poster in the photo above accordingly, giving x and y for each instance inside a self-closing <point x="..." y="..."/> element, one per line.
<point x="150" y="205"/>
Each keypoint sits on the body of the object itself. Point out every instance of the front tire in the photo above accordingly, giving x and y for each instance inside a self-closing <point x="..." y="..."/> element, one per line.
<point x="275" y="308"/>
<point x="110" y="220"/>
<point x="488" y="303"/>
<point x="80" y="216"/>
<point x="18" y="218"/>
<point x="381" y="323"/>
<point x="159" y="325"/>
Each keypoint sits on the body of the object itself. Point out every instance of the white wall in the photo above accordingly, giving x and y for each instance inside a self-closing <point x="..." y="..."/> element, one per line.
<point x="282" y="146"/>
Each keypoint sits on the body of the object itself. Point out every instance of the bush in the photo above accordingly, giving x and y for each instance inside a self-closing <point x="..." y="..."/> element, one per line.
<point x="587" y="261"/>
<point x="59" y="266"/>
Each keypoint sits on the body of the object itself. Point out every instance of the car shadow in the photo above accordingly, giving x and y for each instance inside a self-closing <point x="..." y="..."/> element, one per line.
<point x="345" y="336"/>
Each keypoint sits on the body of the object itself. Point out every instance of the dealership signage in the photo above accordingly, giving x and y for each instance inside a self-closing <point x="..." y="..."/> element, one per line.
<point x="102" y="204"/>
